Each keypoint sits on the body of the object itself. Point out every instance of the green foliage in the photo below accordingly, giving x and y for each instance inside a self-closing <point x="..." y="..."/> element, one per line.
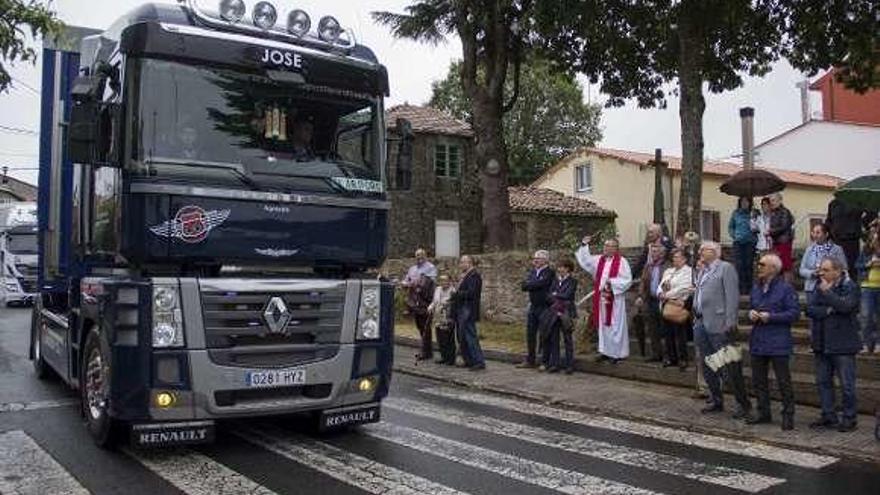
<point x="18" y="19"/>
<point x="548" y="120"/>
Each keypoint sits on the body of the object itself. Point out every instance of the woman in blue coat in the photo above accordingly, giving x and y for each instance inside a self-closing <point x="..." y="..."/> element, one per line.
<point x="774" y="307"/>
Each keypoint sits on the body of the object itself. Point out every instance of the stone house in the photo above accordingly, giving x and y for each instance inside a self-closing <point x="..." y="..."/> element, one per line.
<point x="438" y="204"/>
<point x="547" y="219"/>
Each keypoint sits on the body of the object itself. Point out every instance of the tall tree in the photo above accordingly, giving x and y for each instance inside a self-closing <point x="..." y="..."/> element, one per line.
<point x="642" y="49"/>
<point x="18" y="18"/>
<point x="493" y="39"/>
<point x="548" y="121"/>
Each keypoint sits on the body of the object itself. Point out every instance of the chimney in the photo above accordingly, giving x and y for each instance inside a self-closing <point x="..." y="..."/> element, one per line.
<point x="804" y="86"/>
<point x="747" y="115"/>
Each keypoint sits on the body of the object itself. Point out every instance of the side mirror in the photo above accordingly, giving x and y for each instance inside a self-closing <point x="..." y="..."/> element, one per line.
<point x="403" y="175"/>
<point x="82" y="130"/>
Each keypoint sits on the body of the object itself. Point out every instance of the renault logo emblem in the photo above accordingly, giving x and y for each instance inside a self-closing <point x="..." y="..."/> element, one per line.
<point x="276" y="315"/>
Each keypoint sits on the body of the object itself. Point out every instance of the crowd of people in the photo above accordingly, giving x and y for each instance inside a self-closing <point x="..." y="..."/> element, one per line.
<point x="686" y="291"/>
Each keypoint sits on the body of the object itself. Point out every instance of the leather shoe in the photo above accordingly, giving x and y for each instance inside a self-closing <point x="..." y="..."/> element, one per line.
<point x="787" y="423"/>
<point x="569" y="371"/>
<point x="741" y="413"/>
<point x="823" y="423"/>
<point x="757" y="420"/>
<point x="553" y="369"/>
<point x="712" y="408"/>
<point x="846" y="426"/>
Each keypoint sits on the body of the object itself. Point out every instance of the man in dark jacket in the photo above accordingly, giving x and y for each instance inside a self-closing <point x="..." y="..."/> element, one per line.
<point x="537" y="283"/>
<point x="833" y="309"/>
<point x="846" y="225"/>
<point x="774" y="307"/>
<point x="466" y="304"/>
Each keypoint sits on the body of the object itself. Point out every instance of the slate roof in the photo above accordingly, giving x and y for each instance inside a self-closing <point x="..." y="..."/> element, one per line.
<point x="428" y="120"/>
<point x="710" y="167"/>
<point x="539" y="200"/>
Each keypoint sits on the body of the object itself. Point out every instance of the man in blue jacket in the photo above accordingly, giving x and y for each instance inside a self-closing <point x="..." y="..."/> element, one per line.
<point x="833" y="307"/>
<point x="774" y="307"/>
<point x="538" y="284"/>
<point x="466" y="307"/>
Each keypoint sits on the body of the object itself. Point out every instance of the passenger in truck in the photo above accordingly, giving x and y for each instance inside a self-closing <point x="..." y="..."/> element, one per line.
<point x="188" y="137"/>
<point x="301" y="135"/>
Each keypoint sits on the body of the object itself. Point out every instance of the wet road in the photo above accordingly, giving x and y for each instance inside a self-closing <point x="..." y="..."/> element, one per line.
<point x="433" y="439"/>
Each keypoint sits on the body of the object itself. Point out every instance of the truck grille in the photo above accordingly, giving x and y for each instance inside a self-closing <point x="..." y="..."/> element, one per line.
<point x="29" y="278"/>
<point x="235" y="319"/>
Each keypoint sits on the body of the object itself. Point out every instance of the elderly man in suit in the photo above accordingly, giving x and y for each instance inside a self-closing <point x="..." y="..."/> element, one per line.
<point x="466" y="304"/>
<point x="716" y="303"/>
<point x="537" y="283"/>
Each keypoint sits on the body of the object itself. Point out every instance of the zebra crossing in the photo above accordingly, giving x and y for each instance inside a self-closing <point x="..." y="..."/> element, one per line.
<point x="509" y="445"/>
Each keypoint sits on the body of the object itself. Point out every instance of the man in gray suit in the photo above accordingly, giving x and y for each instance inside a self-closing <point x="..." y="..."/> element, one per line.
<point x="716" y="304"/>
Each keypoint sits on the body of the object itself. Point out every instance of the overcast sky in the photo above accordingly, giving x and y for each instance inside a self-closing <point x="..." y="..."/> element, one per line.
<point x="412" y="67"/>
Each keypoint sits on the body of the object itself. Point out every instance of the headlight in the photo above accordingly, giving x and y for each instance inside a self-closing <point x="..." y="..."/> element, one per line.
<point x="368" y="315"/>
<point x="264" y="15"/>
<point x="12" y="287"/>
<point x="298" y="23"/>
<point x="329" y="29"/>
<point x="167" y="317"/>
<point x="164" y="298"/>
<point x="232" y="10"/>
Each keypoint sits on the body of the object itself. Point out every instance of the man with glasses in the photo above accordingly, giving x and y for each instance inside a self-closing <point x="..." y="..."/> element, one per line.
<point x="774" y="307"/>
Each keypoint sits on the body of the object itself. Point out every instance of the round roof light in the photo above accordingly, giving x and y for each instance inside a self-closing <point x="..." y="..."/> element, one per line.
<point x="232" y="10"/>
<point x="264" y="15"/>
<point x="298" y="23"/>
<point x="329" y="29"/>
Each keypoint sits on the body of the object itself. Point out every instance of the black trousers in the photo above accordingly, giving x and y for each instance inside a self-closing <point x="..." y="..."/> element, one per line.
<point x="532" y="323"/>
<point x="654" y="326"/>
<point x="760" y="380"/>
<point x="676" y="336"/>
<point x="423" y="323"/>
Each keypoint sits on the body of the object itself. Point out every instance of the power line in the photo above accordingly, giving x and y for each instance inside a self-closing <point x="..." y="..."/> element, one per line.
<point x="17" y="130"/>
<point x="25" y="85"/>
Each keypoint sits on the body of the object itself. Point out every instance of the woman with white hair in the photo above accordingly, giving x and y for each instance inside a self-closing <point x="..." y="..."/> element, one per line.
<point x="774" y="307"/>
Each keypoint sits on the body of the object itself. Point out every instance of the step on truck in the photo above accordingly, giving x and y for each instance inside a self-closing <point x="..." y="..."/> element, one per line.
<point x="211" y="204"/>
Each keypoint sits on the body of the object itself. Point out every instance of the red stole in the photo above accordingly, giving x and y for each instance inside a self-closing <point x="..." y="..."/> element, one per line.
<point x="597" y="289"/>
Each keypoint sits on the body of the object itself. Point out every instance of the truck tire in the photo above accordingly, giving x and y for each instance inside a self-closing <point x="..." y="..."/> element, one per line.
<point x="41" y="369"/>
<point x="94" y="381"/>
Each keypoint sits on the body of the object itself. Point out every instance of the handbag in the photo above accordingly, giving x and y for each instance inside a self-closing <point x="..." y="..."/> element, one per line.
<point x="675" y="312"/>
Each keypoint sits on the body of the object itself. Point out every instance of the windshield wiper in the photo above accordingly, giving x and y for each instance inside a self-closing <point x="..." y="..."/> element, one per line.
<point x="237" y="169"/>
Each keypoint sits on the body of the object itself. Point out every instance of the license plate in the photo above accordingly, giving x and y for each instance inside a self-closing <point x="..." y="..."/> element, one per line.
<point x="275" y="378"/>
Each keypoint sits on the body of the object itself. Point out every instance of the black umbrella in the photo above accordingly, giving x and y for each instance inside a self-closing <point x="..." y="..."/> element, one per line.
<point x="751" y="183"/>
<point x="862" y="192"/>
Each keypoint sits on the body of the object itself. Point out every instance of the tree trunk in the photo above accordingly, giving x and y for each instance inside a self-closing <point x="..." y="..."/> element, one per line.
<point x="690" y="110"/>
<point x="491" y="157"/>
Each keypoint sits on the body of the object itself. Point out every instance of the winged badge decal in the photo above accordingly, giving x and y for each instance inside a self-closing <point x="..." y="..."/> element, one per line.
<point x="191" y="224"/>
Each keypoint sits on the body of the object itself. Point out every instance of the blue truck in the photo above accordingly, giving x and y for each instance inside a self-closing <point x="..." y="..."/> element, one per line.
<point x="212" y="203"/>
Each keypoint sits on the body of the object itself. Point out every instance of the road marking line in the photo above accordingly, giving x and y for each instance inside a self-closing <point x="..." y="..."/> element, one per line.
<point x="27" y="469"/>
<point x="39" y="404"/>
<point x="347" y="467"/>
<point x="669" y="464"/>
<point x="197" y="474"/>
<point x="733" y="446"/>
<point x="510" y="466"/>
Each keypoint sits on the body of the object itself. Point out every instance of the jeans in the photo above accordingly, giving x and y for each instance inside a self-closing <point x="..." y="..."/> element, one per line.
<point x="760" y="378"/>
<point x="468" y="341"/>
<point x="868" y="317"/>
<point x="844" y="366"/>
<point x="731" y="373"/>
<point x="532" y="323"/>
<point x="744" y="254"/>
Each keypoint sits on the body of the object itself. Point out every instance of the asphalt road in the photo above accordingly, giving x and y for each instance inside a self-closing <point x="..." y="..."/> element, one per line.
<point x="433" y="439"/>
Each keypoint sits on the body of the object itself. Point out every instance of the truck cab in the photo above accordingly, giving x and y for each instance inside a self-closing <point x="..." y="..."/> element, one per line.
<point x="18" y="259"/>
<point x="212" y="205"/>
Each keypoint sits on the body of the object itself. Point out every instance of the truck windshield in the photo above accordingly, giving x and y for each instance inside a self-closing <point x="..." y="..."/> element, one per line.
<point x="22" y="243"/>
<point x="271" y="124"/>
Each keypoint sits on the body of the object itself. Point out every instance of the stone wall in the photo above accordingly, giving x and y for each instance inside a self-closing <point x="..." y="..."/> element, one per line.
<point x="533" y="231"/>
<point x="431" y="198"/>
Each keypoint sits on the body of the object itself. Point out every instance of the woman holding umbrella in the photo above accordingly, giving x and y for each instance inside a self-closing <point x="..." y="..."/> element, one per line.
<point x="740" y="229"/>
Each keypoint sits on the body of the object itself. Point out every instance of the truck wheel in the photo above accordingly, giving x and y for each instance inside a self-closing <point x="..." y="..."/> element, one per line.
<point x="41" y="369"/>
<point x="94" y="386"/>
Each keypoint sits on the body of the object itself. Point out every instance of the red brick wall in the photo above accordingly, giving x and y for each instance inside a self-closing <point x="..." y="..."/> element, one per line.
<point x="843" y="105"/>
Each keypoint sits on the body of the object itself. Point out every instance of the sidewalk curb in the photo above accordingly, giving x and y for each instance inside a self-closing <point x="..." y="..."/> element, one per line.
<point x="510" y="357"/>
